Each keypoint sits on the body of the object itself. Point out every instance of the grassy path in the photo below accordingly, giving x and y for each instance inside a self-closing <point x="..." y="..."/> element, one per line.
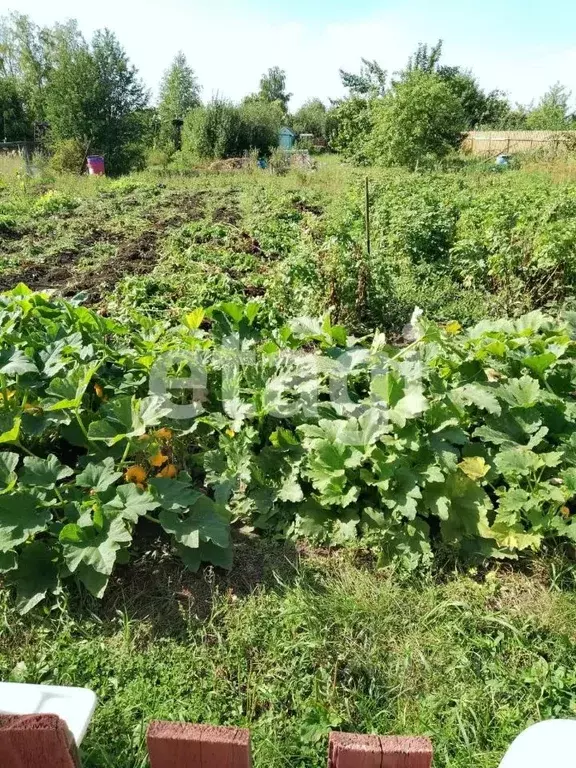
<point x="294" y="645"/>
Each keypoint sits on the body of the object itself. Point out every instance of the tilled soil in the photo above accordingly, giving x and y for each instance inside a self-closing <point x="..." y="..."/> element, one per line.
<point x="134" y="255"/>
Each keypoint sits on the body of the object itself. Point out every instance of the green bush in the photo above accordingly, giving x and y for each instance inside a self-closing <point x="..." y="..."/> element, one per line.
<point x="212" y="131"/>
<point x="416" y="123"/>
<point x="221" y="129"/>
<point x="260" y="124"/>
<point x="68" y="156"/>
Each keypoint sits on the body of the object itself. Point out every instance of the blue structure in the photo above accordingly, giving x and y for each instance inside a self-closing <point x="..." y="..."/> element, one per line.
<point x="286" y="138"/>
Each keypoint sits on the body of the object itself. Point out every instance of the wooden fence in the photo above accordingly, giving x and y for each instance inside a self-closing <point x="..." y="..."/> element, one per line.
<point x="43" y="741"/>
<point x="492" y="143"/>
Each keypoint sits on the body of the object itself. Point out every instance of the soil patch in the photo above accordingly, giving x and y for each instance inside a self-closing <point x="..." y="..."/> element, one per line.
<point x="135" y="256"/>
<point x="43" y="275"/>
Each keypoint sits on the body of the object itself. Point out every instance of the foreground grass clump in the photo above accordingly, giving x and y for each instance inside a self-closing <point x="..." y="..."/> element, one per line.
<point x="292" y="647"/>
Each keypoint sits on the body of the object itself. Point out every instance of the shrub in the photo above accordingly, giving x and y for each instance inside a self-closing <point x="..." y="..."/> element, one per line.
<point x="419" y="121"/>
<point x="354" y="121"/>
<point x="213" y="131"/>
<point x="260" y="123"/>
<point x="158" y="159"/>
<point x="68" y="156"/>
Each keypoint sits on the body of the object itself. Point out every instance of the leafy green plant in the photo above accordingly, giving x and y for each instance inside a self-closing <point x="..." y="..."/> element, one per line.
<point x="468" y="445"/>
<point x="463" y="440"/>
<point x="87" y="452"/>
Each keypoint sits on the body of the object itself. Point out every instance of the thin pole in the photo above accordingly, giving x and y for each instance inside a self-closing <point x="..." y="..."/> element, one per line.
<point x="367" y="218"/>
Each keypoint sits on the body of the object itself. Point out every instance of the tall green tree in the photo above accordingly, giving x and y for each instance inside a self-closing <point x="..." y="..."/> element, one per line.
<point x="72" y="89"/>
<point x="25" y="54"/>
<point x="260" y="123"/>
<point x="120" y="98"/>
<point x="14" y="125"/>
<point x="311" y="118"/>
<point x="480" y="108"/>
<point x="94" y="95"/>
<point x="552" y="112"/>
<point x="179" y="93"/>
<point x="371" y="82"/>
<point x="273" y="87"/>
<point x="426" y="58"/>
<point x="418" y="121"/>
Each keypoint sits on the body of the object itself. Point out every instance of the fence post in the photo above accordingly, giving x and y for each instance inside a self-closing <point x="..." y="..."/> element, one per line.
<point x="367" y="217"/>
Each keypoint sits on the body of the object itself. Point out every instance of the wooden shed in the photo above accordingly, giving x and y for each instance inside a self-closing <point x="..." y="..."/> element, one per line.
<point x="286" y="138"/>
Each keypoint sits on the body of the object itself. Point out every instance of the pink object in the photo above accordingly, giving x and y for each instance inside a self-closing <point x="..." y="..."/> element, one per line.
<point x="96" y="165"/>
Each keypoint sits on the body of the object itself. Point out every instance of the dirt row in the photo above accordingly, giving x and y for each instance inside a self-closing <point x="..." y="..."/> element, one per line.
<point x="134" y="255"/>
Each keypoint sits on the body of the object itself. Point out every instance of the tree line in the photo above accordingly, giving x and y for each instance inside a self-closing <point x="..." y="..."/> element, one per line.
<point x="84" y="96"/>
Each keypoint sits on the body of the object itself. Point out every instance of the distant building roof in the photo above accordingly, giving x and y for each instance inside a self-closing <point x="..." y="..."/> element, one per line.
<point x="285" y="131"/>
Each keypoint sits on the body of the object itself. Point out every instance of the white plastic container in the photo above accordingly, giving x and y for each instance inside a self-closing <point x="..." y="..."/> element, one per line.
<point x="73" y="705"/>
<point x="549" y="744"/>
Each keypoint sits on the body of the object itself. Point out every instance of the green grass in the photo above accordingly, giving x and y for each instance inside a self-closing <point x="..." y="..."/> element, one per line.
<point x="292" y="646"/>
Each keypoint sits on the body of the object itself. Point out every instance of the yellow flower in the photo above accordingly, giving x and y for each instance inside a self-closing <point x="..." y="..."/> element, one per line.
<point x="453" y="327"/>
<point x="164" y="434"/>
<point x="135" y="474"/>
<point x="10" y="393"/>
<point x="565" y="512"/>
<point x="230" y="432"/>
<point x="170" y="470"/>
<point x="158" y="460"/>
<point x="99" y="391"/>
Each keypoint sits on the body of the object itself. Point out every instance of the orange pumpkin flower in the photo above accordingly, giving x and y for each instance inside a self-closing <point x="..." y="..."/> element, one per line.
<point x="135" y="474"/>
<point x="99" y="390"/>
<point x="170" y="470"/>
<point x="164" y="434"/>
<point x="158" y="460"/>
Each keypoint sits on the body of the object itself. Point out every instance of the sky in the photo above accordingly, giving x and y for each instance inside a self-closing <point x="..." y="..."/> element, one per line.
<point x="519" y="46"/>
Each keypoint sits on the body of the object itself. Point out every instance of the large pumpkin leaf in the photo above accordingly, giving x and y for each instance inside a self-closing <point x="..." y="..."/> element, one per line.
<point x="204" y="522"/>
<point x="67" y="392"/>
<point x="20" y="517"/>
<point x="174" y="494"/>
<point x="91" y="553"/>
<point x="44" y="473"/>
<point x="9" y="427"/>
<point x="37" y="574"/>
<point x="15" y="362"/>
<point x="8" y="477"/>
<point x="130" y="503"/>
<point x="99" y="476"/>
